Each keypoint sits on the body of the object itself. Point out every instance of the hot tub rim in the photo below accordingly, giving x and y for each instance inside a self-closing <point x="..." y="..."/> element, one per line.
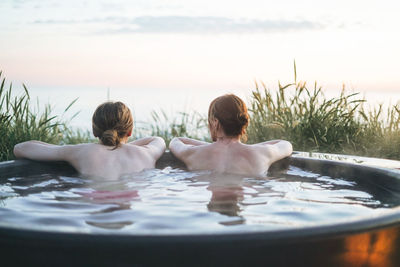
<point x="280" y="236"/>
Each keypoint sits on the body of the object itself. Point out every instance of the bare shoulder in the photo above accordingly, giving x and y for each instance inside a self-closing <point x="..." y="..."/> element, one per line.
<point x="153" y="146"/>
<point x="72" y="151"/>
<point x="200" y="149"/>
<point x="136" y="148"/>
<point x="183" y="148"/>
<point x="143" y="152"/>
<point x="83" y="147"/>
<point x="262" y="148"/>
<point x="275" y="150"/>
<point x="204" y="157"/>
<point x="198" y="157"/>
<point x="251" y="152"/>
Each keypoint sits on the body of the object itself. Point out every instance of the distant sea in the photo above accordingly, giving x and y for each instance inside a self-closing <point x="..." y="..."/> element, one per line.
<point x="143" y="102"/>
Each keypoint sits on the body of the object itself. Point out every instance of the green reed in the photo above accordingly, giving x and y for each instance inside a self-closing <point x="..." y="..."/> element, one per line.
<point x="295" y="112"/>
<point x="20" y="121"/>
<point x="381" y="136"/>
<point x="187" y="124"/>
<point x="305" y="117"/>
<point x="312" y="122"/>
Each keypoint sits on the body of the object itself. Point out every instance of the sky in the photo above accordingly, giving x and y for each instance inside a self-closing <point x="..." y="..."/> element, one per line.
<point x="188" y="52"/>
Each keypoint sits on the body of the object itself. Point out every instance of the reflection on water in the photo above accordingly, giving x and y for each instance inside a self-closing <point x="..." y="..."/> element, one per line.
<point x="173" y="201"/>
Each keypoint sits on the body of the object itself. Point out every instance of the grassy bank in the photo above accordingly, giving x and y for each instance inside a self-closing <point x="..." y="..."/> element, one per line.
<point x="308" y="119"/>
<point x="344" y="124"/>
<point x="314" y="123"/>
<point x="21" y="121"/>
<point x="295" y="112"/>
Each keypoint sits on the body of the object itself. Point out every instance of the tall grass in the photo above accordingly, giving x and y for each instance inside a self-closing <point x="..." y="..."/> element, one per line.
<point x="187" y="124"/>
<point x="295" y="112"/>
<point x="20" y="121"/>
<point x="381" y="136"/>
<point x="312" y="122"/>
<point x="306" y="118"/>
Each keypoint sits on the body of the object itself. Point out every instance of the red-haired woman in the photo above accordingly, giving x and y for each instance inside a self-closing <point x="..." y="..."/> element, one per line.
<point x="227" y="121"/>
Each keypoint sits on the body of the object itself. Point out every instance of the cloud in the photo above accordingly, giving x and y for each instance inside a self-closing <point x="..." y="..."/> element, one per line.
<point x="52" y="21"/>
<point x="186" y="24"/>
<point x="21" y="4"/>
<point x="181" y="24"/>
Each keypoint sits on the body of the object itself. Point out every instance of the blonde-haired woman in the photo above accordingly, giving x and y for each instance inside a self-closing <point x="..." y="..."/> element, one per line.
<point x="112" y="157"/>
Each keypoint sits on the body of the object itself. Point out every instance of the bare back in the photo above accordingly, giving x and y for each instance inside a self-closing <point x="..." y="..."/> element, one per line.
<point x="97" y="160"/>
<point x="232" y="157"/>
<point x="101" y="161"/>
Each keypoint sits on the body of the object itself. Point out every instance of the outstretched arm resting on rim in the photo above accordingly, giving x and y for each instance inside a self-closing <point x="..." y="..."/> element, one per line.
<point x="155" y="145"/>
<point x="182" y="147"/>
<point x="277" y="149"/>
<point x="37" y="150"/>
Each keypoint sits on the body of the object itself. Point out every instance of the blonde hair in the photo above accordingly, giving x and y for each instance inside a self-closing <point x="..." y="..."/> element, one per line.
<point x="111" y="122"/>
<point x="231" y="112"/>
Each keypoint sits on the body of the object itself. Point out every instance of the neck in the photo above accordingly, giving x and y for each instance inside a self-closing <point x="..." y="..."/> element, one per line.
<point x="124" y="140"/>
<point x="228" y="139"/>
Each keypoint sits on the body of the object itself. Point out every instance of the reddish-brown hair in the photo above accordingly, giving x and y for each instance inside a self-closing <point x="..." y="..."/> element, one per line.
<point x="111" y="122"/>
<point x="231" y="112"/>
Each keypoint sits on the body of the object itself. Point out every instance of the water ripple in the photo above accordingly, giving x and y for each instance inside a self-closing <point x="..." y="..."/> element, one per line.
<point x="172" y="201"/>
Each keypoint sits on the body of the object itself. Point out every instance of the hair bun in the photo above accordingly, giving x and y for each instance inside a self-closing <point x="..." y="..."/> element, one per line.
<point x="111" y="122"/>
<point x="110" y="137"/>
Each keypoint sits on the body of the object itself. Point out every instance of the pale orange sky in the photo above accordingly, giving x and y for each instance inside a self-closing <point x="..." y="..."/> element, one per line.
<point x="191" y="48"/>
<point x="186" y="44"/>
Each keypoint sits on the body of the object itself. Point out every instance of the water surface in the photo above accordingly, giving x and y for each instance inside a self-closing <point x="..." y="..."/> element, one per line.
<point x="174" y="201"/>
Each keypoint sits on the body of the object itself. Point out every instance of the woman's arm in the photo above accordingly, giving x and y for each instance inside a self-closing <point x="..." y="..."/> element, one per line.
<point x="193" y="142"/>
<point x="183" y="147"/>
<point x="155" y="145"/>
<point x="37" y="150"/>
<point x="271" y="142"/>
<point x="179" y="148"/>
<point x="277" y="149"/>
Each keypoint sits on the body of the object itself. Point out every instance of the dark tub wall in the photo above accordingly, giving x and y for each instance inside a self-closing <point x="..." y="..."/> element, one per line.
<point x="373" y="248"/>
